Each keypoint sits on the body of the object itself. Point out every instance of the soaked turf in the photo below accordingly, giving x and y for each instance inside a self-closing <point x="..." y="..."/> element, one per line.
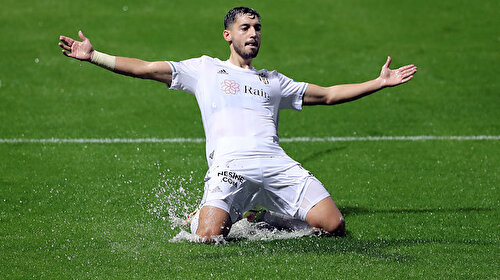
<point x="79" y="211"/>
<point x="413" y="209"/>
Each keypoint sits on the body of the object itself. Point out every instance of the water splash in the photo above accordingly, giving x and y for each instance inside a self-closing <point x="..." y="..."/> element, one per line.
<point x="263" y="232"/>
<point x="173" y="198"/>
<point x="176" y="196"/>
<point x="244" y="230"/>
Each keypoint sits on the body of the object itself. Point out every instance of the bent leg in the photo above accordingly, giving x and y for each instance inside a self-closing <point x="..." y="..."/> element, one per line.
<point x="283" y="222"/>
<point x="326" y="216"/>
<point x="213" y="221"/>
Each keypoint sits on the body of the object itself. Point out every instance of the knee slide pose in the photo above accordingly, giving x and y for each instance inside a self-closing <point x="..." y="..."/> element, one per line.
<point x="240" y="108"/>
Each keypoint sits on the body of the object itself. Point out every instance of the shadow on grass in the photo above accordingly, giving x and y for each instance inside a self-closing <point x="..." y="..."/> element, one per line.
<point x="354" y="210"/>
<point x="316" y="155"/>
<point x="392" y="250"/>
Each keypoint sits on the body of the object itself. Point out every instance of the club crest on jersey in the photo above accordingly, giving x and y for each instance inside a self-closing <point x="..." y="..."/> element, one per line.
<point x="263" y="78"/>
<point x="230" y="87"/>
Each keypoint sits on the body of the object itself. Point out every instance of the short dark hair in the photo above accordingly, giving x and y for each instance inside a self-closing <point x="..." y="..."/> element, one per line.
<point x="233" y="14"/>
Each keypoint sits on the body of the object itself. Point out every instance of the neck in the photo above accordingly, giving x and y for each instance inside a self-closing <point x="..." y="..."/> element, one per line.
<point x="237" y="60"/>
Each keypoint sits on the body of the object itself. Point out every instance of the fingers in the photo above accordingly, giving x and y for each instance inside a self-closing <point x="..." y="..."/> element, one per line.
<point x="406" y="67"/>
<point x="80" y="34"/>
<point x="410" y="68"/>
<point x="68" y="54"/>
<point x="66" y="40"/>
<point x="408" y="71"/>
<point x="407" y="74"/>
<point x="64" y="46"/>
<point x="388" y="62"/>
<point x="398" y="76"/>
<point x="406" y="79"/>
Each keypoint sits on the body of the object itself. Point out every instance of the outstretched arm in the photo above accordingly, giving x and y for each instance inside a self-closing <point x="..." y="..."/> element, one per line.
<point x="83" y="50"/>
<point x="317" y="95"/>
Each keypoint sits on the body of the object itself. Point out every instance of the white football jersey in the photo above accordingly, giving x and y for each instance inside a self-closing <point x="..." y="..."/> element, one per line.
<point x="239" y="107"/>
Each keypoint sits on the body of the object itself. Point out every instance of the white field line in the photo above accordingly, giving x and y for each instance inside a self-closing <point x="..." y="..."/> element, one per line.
<point x="391" y="138"/>
<point x="284" y="140"/>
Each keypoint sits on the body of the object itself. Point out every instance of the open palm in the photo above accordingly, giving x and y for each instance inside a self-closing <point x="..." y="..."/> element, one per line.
<point x="397" y="76"/>
<point x="76" y="49"/>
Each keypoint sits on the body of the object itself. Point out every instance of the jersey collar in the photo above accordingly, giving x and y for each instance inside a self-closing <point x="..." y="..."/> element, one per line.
<point x="230" y="65"/>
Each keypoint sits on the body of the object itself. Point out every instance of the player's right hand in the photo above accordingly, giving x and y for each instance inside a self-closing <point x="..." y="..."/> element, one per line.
<point x="80" y="50"/>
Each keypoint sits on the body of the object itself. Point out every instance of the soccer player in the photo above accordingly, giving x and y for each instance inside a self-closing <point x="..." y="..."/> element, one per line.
<point x="240" y="109"/>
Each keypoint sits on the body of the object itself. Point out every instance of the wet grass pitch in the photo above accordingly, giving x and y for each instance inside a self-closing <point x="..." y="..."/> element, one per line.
<point x="414" y="209"/>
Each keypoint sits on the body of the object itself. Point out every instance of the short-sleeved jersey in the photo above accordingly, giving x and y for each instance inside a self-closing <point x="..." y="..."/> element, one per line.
<point x="239" y="107"/>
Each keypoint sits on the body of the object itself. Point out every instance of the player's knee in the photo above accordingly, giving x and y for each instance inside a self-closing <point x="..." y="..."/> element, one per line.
<point x="335" y="227"/>
<point x="208" y="232"/>
<point x="211" y="233"/>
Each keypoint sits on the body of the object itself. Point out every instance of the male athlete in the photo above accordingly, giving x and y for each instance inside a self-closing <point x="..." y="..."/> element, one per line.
<point x="240" y="108"/>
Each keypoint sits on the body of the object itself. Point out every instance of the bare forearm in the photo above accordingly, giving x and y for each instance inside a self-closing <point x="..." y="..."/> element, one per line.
<point x="348" y="92"/>
<point x="318" y="95"/>
<point x="83" y="50"/>
<point x="133" y="67"/>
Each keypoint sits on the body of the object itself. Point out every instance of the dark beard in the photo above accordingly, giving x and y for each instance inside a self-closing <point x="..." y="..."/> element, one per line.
<point x="250" y="55"/>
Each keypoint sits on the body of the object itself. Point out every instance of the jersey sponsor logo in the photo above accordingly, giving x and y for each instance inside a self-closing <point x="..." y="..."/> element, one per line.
<point x="222" y="71"/>
<point x="230" y="87"/>
<point x="256" y="91"/>
<point x="263" y="78"/>
<point x="231" y="178"/>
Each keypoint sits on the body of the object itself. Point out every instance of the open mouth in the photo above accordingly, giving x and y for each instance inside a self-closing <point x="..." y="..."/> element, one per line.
<point x="252" y="44"/>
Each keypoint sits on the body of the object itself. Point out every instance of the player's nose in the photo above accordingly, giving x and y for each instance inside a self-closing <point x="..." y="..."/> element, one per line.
<point x="253" y="32"/>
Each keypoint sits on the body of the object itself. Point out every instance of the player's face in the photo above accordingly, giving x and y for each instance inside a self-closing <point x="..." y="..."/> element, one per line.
<point x="245" y="36"/>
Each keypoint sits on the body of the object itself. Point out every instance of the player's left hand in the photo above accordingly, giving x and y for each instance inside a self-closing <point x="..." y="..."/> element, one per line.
<point x="390" y="78"/>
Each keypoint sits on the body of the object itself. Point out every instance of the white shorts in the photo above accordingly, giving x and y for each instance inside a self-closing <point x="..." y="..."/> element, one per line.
<point x="276" y="183"/>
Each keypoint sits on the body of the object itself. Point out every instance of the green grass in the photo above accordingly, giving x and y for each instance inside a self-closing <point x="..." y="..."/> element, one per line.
<point x="413" y="209"/>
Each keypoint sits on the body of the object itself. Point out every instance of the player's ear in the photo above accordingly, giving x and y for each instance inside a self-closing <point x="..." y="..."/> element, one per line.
<point x="227" y="35"/>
